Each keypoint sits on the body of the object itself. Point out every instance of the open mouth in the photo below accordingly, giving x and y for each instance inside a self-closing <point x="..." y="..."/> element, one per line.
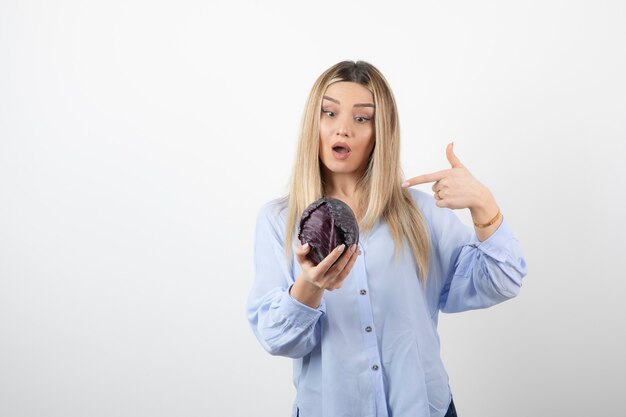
<point x="341" y="148"/>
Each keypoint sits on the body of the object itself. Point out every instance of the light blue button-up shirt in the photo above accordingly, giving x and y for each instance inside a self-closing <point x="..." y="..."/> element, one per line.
<point x="371" y="348"/>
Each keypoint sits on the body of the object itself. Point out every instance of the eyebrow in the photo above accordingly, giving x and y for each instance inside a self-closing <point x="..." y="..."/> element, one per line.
<point x="356" y="105"/>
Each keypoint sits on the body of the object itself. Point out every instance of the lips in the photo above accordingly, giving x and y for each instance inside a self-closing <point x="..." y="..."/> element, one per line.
<point x="341" y="147"/>
<point x="341" y="150"/>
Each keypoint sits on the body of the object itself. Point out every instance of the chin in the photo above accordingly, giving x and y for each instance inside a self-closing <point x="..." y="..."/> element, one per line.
<point x="340" y="170"/>
<point x="349" y="166"/>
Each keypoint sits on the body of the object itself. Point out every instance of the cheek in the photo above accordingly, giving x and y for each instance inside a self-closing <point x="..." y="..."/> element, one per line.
<point x="325" y="131"/>
<point x="324" y="143"/>
<point x="367" y="139"/>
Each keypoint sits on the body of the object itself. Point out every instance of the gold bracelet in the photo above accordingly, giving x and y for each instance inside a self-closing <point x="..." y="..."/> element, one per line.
<point x="490" y="222"/>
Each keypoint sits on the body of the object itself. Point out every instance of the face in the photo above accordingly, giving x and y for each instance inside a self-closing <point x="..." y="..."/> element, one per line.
<point x="346" y="128"/>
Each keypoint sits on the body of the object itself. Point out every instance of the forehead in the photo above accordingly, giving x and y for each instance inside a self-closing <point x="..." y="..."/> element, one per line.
<point x="348" y="92"/>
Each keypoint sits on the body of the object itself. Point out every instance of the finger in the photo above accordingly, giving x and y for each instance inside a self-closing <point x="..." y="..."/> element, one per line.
<point x="440" y="185"/>
<point x="440" y="203"/>
<point x="342" y="261"/>
<point x="328" y="261"/>
<point x="347" y="268"/>
<point x="455" y="162"/>
<point x="437" y="195"/>
<point x="422" y="179"/>
<point x="301" y="252"/>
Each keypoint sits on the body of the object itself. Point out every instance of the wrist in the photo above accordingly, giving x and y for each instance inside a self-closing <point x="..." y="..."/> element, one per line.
<point x="485" y="211"/>
<point x="306" y="292"/>
<point x="491" y="222"/>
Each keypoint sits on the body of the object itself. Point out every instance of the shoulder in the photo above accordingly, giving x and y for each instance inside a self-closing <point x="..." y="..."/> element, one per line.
<point x="419" y="196"/>
<point x="273" y="213"/>
<point x="425" y="203"/>
<point x="439" y="220"/>
<point x="275" y="207"/>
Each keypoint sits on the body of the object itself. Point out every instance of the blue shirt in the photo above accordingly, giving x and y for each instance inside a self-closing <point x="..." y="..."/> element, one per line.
<point x="371" y="348"/>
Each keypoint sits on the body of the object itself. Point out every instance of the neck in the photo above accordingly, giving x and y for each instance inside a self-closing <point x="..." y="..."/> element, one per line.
<point x="342" y="186"/>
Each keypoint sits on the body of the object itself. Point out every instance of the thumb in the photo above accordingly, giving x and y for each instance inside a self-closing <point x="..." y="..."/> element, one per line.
<point x="452" y="158"/>
<point x="301" y="251"/>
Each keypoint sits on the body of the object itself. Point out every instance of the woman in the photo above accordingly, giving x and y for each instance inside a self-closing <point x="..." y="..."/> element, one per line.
<point x="363" y="331"/>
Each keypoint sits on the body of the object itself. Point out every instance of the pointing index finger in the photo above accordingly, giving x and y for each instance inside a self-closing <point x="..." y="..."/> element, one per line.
<point x="426" y="178"/>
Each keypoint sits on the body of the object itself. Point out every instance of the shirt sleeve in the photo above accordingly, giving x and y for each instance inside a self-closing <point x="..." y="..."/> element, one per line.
<point x="283" y="325"/>
<point x="475" y="274"/>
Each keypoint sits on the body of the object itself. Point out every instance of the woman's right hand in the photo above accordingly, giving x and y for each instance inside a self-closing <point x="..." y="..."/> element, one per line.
<point x="327" y="275"/>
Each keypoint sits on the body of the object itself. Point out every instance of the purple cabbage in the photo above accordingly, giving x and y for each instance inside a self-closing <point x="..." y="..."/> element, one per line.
<point x="326" y="224"/>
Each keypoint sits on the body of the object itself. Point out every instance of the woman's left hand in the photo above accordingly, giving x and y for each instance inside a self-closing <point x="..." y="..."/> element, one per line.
<point x="456" y="187"/>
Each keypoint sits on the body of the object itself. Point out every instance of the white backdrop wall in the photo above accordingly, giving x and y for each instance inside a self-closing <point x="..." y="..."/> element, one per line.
<point x="139" y="138"/>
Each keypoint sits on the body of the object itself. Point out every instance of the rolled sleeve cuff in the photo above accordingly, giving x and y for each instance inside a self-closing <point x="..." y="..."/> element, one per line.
<point x="302" y="313"/>
<point x="497" y="245"/>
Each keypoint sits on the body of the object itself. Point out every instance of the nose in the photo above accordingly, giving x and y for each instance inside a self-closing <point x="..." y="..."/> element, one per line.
<point x="343" y="127"/>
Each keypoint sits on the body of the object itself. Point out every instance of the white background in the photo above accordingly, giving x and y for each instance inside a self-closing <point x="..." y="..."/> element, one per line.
<point x="139" y="138"/>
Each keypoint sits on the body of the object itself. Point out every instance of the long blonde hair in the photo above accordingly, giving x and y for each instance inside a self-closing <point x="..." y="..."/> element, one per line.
<point x="380" y="186"/>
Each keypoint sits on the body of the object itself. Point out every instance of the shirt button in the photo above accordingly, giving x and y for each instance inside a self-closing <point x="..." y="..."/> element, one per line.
<point x="363" y="292"/>
<point x="368" y="329"/>
<point x="375" y="367"/>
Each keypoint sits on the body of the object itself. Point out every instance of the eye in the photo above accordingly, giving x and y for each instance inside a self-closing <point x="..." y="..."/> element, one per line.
<point x="362" y="119"/>
<point x="328" y="113"/>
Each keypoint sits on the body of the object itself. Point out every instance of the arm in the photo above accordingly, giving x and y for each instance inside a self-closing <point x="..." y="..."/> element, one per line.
<point x="283" y="325"/>
<point x="478" y="274"/>
<point x="481" y="267"/>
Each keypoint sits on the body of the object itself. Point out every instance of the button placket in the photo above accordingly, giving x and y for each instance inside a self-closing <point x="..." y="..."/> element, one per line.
<point x="370" y="340"/>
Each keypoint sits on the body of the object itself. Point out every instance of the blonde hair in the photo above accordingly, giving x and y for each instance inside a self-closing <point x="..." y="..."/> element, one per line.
<point x="380" y="190"/>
